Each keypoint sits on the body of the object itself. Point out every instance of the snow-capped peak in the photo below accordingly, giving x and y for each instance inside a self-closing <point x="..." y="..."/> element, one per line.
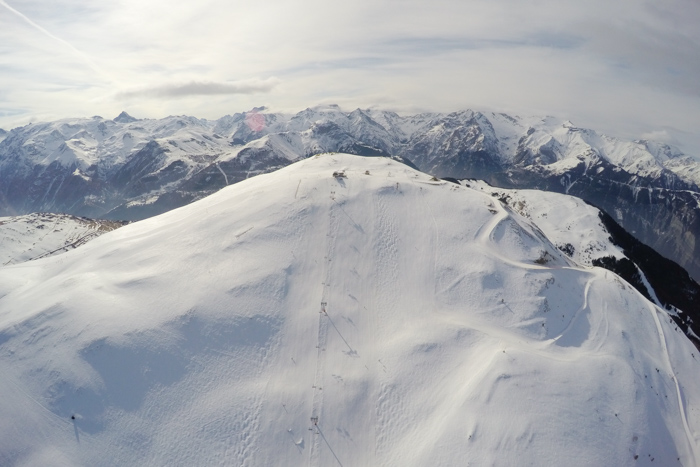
<point x="125" y="118"/>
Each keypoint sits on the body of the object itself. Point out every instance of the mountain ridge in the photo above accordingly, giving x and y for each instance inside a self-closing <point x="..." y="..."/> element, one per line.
<point x="103" y="168"/>
<point x="591" y="237"/>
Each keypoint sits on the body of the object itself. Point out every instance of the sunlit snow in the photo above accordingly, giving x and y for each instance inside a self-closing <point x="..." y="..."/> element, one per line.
<point x="297" y="318"/>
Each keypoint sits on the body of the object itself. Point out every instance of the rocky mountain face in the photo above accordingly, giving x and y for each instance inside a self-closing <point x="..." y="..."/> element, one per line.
<point x="128" y="168"/>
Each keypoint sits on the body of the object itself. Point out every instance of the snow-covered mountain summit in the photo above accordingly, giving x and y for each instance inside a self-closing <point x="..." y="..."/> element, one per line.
<point x="125" y="118"/>
<point x="129" y="168"/>
<point x="343" y="310"/>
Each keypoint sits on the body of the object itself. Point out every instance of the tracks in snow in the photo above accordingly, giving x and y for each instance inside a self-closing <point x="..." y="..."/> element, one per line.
<point x="322" y="337"/>
<point x="324" y="323"/>
<point x="679" y="395"/>
<point x="485" y="237"/>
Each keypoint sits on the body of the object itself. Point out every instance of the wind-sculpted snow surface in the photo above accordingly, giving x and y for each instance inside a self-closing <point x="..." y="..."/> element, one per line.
<point x="376" y="317"/>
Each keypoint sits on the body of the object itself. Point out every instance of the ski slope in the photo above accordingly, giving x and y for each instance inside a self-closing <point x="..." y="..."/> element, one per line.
<point x="297" y="318"/>
<point x="34" y="236"/>
<point x="566" y="221"/>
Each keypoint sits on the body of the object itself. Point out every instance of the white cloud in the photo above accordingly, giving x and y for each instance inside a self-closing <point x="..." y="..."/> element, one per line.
<point x="629" y="66"/>
<point x="200" y="88"/>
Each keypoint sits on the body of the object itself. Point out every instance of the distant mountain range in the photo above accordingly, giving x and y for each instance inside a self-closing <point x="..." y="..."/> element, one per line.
<point x="127" y="168"/>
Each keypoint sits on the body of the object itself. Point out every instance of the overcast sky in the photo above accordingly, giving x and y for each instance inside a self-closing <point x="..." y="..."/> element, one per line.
<point x="627" y="67"/>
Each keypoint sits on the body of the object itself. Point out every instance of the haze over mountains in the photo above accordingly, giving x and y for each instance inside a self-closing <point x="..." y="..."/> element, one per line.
<point x="131" y="169"/>
<point x="377" y="318"/>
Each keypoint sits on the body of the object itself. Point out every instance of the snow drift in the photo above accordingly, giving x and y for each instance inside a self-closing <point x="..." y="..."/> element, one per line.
<point x="297" y="318"/>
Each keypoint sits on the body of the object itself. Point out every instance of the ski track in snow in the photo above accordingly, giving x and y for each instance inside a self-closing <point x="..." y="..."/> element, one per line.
<point x="692" y="448"/>
<point x="486" y="234"/>
<point x="389" y="406"/>
<point x="436" y="230"/>
<point x="581" y="309"/>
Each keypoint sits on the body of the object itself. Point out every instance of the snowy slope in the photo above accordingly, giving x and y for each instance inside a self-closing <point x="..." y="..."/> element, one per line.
<point x="585" y="235"/>
<point x="33" y="236"/>
<point x="564" y="220"/>
<point x="421" y="322"/>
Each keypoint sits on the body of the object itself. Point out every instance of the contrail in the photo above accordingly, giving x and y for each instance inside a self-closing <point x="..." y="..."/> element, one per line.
<point x="77" y="52"/>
